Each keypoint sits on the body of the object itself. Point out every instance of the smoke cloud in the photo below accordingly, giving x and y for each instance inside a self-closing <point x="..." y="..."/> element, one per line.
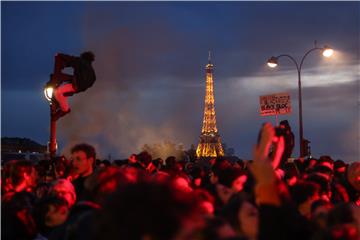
<point x="125" y="108"/>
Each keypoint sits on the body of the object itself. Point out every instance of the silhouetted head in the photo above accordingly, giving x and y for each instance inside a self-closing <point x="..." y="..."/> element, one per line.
<point x="242" y="214"/>
<point x="63" y="188"/>
<point x="285" y="123"/>
<point x="22" y="172"/>
<point x="50" y="212"/>
<point x="88" y="56"/>
<point x="147" y="210"/>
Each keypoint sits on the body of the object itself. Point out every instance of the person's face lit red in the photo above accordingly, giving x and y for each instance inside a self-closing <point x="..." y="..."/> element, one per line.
<point x="238" y="183"/>
<point x="248" y="218"/>
<point x="81" y="164"/>
<point x="224" y="192"/>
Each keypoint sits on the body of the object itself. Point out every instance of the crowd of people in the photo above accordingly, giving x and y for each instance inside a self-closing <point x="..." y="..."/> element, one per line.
<point x="268" y="197"/>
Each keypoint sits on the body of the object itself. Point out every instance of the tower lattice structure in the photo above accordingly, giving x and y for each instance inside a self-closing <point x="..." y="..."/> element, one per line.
<point x="209" y="140"/>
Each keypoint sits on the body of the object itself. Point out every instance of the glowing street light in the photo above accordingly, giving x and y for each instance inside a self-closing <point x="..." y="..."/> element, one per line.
<point x="327" y="52"/>
<point x="273" y="62"/>
<point x="48" y="92"/>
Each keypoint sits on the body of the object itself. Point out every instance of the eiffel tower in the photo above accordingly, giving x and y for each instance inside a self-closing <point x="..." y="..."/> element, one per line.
<point x="209" y="140"/>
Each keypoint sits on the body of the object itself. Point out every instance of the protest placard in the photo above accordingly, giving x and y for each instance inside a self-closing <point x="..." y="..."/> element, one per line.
<point x="275" y="104"/>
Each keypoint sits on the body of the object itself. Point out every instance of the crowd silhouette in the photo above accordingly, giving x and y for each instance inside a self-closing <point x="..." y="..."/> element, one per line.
<point x="268" y="197"/>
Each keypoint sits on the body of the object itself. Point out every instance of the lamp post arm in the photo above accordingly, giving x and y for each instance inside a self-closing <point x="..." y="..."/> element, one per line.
<point x="307" y="53"/>
<point x="291" y="58"/>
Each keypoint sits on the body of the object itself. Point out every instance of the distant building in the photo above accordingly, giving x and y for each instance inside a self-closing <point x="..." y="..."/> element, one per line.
<point x="21" y="145"/>
<point x="21" y="148"/>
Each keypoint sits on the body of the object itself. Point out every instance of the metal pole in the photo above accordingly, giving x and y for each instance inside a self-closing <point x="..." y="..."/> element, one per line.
<point x="299" y="67"/>
<point x="300" y="116"/>
<point x="301" y="137"/>
<point x="52" y="144"/>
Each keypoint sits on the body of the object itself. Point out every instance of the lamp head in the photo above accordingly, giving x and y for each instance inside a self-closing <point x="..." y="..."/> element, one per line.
<point x="48" y="92"/>
<point x="327" y="51"/>
<point x="272" y="62"/>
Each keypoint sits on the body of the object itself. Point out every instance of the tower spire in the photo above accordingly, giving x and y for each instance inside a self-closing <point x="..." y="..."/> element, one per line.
<point x="209" y="142"/>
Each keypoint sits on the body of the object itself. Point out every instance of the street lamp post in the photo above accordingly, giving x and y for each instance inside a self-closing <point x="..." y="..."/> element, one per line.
<point x="48" y="91"/>
<point x="273" y="62"/>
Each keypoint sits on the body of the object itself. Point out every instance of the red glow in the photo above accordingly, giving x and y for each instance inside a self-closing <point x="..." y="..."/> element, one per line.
<point x="110" y="186"/>
<point x="182" y="184"/>
<point x="208" y="207"/>
<point x="197" y="182"/>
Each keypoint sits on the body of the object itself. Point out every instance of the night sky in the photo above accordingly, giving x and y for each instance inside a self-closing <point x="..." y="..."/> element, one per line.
<point x="150" y="60"/>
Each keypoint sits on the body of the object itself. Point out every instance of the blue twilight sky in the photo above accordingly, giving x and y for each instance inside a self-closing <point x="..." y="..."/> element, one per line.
<point x="150" y="59"/>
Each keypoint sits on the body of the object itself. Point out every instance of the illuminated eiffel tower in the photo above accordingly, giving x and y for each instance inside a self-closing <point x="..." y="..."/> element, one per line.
<point x="209" y="140"/>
